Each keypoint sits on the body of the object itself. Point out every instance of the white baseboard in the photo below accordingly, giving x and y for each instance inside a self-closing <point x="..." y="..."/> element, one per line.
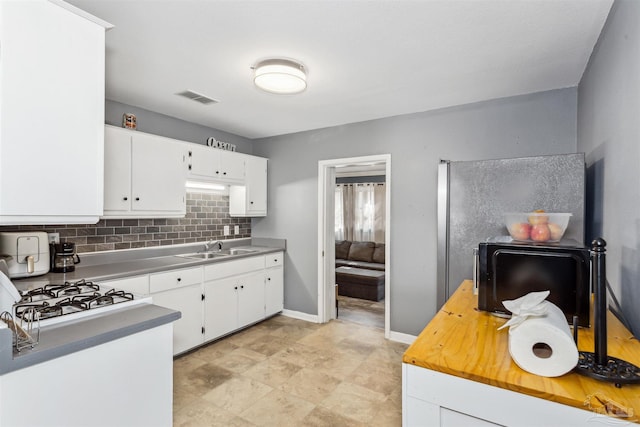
<point x="300" y="315"/>
<point x="393" y="336"/>
<point x="400" y="337"/>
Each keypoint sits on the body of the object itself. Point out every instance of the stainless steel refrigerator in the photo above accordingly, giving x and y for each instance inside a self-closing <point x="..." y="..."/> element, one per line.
<point x="473" y="197"/>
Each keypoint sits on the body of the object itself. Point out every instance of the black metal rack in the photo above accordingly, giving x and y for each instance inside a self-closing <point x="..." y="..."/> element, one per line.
<point x="598" y="364"/>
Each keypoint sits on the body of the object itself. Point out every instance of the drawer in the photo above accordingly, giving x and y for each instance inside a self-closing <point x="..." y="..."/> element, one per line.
<point x="219" y="270"/>
<point x="175" y="279"/>
<point x="138" y="285"/>
<point x="274" y="260"/>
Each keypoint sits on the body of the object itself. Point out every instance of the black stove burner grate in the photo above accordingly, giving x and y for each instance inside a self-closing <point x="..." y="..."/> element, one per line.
<point x="38" y="294"/>
<point x="56" y="300"/>
<point x="72" y="288"/>
<point x="27" y="312"/>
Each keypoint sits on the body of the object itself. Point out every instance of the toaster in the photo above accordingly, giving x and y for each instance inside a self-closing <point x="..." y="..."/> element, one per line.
<point x="25" y="252"/>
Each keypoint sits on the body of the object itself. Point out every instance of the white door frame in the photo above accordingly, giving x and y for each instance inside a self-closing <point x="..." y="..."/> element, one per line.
<point x="326" y="239"/>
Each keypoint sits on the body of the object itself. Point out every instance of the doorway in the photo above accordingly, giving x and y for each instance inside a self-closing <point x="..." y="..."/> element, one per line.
<point x="326" y="232"/>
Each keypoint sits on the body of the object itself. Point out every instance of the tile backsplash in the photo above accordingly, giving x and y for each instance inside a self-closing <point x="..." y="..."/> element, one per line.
<point x="206" y="216"/>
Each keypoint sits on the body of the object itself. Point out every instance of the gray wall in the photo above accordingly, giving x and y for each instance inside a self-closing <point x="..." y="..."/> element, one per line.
<point x="609" y="134"/>
<point x="529" y="125"/>
<point x="159" y="124"/>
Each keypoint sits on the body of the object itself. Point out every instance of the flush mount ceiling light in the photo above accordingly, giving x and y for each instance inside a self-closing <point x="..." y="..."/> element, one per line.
<point x="280" y="76"/>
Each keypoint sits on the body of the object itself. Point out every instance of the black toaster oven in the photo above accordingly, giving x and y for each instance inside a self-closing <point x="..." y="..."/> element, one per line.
<point x="509" y="270"/>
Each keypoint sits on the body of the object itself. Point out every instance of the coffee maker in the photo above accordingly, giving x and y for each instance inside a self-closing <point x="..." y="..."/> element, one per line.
<point x="64" y="257"/>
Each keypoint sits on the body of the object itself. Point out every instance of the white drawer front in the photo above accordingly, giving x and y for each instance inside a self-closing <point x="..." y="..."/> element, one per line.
<point x="175" y="279"/>
<point x="138" y="285"/>
<point x="274" y="260"/>
<point x="231" y="268"/>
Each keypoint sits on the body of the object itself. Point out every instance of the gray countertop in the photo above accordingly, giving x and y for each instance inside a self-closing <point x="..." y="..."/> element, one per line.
<point x="68" y="337"/>
<point x="126" y="263"/>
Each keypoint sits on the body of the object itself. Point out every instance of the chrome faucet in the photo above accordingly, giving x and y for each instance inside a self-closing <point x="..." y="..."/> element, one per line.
<point x="211" y="243"/>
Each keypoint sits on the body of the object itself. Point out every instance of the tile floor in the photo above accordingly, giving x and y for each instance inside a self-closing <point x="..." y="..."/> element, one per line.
<point x="361" y="311"/>
<point x="288" y="372"/>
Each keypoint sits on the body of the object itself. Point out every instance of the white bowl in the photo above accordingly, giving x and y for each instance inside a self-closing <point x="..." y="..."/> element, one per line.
<point x="537" y="226"/>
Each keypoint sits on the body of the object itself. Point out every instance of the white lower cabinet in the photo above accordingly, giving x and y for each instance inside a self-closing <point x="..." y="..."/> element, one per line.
<point x="274" y="284"/>
<point x="232" y="303"/>
<point x="251" y="299"/>
<point x="214" y="299"/>
<point x="181" y="290"/>
<point x="221" y="307"/>
<point x="234" y="295"/>
<point x="187" y="331"/>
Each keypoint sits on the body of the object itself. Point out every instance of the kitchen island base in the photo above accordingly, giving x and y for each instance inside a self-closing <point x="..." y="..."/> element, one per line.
<point x="431" y="398"/>
<point x="124" y="382"/>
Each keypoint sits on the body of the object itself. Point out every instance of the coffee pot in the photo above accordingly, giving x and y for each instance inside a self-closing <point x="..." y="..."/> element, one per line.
<point x="64" y="257"/>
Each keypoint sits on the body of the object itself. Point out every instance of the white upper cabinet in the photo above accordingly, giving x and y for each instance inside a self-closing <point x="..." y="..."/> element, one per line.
<point x="213" y="164"/>
<point x="52" y="66"/>
<point x="144" y="175"/>
<point x="250" y="199"/>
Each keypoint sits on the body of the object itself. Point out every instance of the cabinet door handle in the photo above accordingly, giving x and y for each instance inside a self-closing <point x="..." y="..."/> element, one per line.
<point x="202" y="297"/>
<point x="179" y="279"/>
<point x="236" y="288"/>
<point x="242" y="287"/>
<point x="137" y="199"/>
<point x="125" y="198"/>
<point x="251" y="202"/>
<point x="189" y="167"/>
<point x="217" y="172"/>
<point x="269" y="278"/>
<point x="224" y="173"/>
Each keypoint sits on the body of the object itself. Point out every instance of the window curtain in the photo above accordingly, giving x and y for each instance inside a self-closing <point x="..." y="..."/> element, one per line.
<point x="360" y="211"/>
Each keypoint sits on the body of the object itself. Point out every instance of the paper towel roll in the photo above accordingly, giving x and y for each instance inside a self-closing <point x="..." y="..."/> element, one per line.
<point x="550" y="337"/>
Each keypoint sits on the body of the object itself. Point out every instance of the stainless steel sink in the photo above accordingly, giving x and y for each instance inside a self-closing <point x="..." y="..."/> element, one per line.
<point x="238" y="251"/>
<point x="204" y="255"/>
<point x="219" y="254"/>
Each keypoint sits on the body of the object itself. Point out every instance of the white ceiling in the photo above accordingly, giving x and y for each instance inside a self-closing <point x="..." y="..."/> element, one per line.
<point x="365" y="59"/>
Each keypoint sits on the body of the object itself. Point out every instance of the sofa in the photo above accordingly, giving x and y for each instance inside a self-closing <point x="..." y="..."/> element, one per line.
<point x="360" y="268"/>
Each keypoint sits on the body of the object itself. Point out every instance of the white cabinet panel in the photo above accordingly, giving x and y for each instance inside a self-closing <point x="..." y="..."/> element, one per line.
<point x="117" y="169"/>
<point x="138" y="285"/>
<point x="175" y="279"/>
<point x="231" y="268"/>
<point x="204" y="162"/>
<point x="221" y="307"/>
<point x="251" y="299"/>
<point x="132" y="374"/>
<point x="144" y="175"/>
<point x="51" y="114"/>
<point x="451" y="418"/>
<point x="187" y="331"/>
<point x="232" y="166"/>
<point x="274" y="260"/>
<point x="233" y="303"/>
<point x="157" y="174"/>
<point x="433" y="398"/>
<point x="212" y="164"/>
<point x="250" y="199"/>
<point x="274" y="290"/>
<point x="181" y="290"/>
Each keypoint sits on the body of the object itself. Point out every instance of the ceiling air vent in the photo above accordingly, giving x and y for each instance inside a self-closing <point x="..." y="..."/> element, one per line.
<point x="198" y="97"/>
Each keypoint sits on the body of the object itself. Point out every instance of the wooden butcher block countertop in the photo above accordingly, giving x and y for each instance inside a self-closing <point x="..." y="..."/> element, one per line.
<point x="465" y="342"/>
